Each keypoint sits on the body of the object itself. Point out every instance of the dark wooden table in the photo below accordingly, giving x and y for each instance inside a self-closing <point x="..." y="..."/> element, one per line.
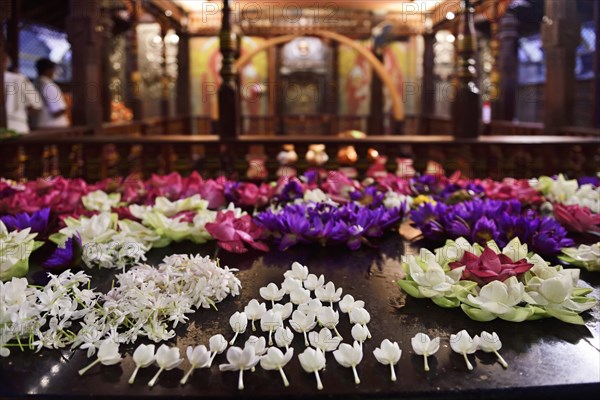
<point x="548" y="358"/>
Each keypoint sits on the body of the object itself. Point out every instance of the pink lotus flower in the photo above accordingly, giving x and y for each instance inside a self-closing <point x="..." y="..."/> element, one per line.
<point x="576" y="218"/>
<point x="169" y="186"/>
<point x="510" y="189"/>
<point x="214" y="192"/>
<point x="490" y="266"/>
<point x="231" y="233"/>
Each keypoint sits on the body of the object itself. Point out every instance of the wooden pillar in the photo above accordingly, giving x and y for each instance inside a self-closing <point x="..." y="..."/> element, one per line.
<point x="333" y="86"/>
<point x="107" y="48"/>
<point x="85" y="35"/>
<point x="134" y="77"/>
<point x="428" y="85"/>
<point x="597" y="67"/>
<point x="5" y="11"/>
<point x="375" y="121"/>
<point x="560" y="36"/>
<point x="164" y="79"/>
<point x="229" y="107"/>
<point x="279" y="93"/>
<point x="12" y="33"/>
<point x="184" y="98"/>
<point x="506" y="59"/>
<point x="466" y="109"/>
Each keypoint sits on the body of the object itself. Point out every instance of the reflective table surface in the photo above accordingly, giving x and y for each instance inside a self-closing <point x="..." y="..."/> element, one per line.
<point x="547" y="358"/>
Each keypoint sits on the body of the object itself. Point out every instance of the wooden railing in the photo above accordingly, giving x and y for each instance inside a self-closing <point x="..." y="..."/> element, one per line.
<point x="97" y="157"/>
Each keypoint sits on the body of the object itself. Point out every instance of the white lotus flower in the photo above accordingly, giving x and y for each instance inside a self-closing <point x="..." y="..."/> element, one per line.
<point x="553" y="289"/>
<point x="167" y="358"/>
<point x="463" y="344"/>
<point x="324" y="340"/>
<point x="254" y="310"/>
<point x="349" y="357"/>
<point x="424" y="346"/>
<point x="298" y="271"/>
<point x="199" y="357"/>
<point x="108" y="354"/>
<point x="271" y="293"/>
<point x="515" y="250"/>
<point x="276" y="360"/>
<point x="217" y="344"/>
<point x="329" y="319"/>
<point x="143" y="357"/>
<point x="291" y="284"/>
<point x="284" y="310"/>
<point x="360" y="316"/>
<point x="432" y="281"/>
<point x="499" y="297"/>
<point x="99" y="200"/>
<point x="299" y="296"/>
<point x="347" y="304"/>
<point x="585" y="256"/>
<point x="388" y="353"/>
<point x="313" y="282"/>
<point x="97" y="229"/>
<point x="312" y="361"/>
<point x="303" y="322"/>
<point x="313" y="306"/>
<point x="329" y="293"/>
<point x="453" y="250"/>
<point x="283" y="337"/>
<point x="269" y="322"/>
<point x="238" y="322"/>
<point x="240" y="360"/>
<point x="360" y="333"/>
<point x="490" y="343"/>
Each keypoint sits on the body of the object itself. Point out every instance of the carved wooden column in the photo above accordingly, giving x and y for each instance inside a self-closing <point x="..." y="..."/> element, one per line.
<point x="5" y="10"/>
<point x="184" y="99"/>
<point x="597" y="67"/>
<point x="428" y="84"/>
<point x="12" y="33"/>
<point x="272" y="87"/>
<point x="164" y="78"/>
<point x="279" y="92"/>
<point x="560" y="36"/>
<point x="507" y="67"/>
<point x="375" y="121"/>
<point x="333" y="86"/>
<point x="466" y="109"/>
<point x="134" y="77"/>
<point x="229" y="107"/>
<point x="85" y="35"/>
<point x="107" y="36"/>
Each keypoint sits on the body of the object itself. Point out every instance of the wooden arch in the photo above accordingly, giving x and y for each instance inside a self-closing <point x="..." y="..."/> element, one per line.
<point x="397" y="106"/>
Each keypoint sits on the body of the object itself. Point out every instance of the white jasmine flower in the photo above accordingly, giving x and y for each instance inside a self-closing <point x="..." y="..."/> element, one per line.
<point x="324" y="340"/>
<point x="238" y="322"/>
<point x="328" y="293"/>
<point x="329" y="319"/>
<point x="312" y="361"/>
<point x="285" y="310"/>
<point x="388" y="353"/>
<point x="424" y="346"/>
<point x="312" y="306"/>
<point x="463" y="344"/>
<point x="167" y="358"/>
<point x="291" y="284"/>
<point x="347" y="304"/>
<point x="313" y="282"/>
<point x="299" y="295"/>
<point x="269" y="322"/>
<point x="276" y="360"/>
<point x="298" y="272"/>
<point x="303" y="322"/>
<point x="360" y="333"/>
<point x="240" y="360"/>
<point x="108" y="354"/>
<point x="217" y="344"/>
<point x="349" y="357"/>
<point x="199" y="357"/>
<point x="271" y="293"/>
<point x="360" y="316"/>
<point x="490" y="343"/>
<point x="283" y="337"/>
<point x="143" y="357"/>
<point x="258" y="344"/>
<point x="255" y="310"/>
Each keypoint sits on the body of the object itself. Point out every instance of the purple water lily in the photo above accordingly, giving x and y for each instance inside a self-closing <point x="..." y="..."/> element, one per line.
<point x="66" y="257"/>
<point x="37" y="221"/>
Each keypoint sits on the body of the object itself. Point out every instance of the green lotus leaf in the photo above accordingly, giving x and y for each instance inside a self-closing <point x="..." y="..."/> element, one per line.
<point x="581" y="292"/>
<point x="518" y="314"/>
<point x="411" y="288"/>
<point x="477" y="314"/>
<point x="569" y="317"/>
<point x="446" y="302"/>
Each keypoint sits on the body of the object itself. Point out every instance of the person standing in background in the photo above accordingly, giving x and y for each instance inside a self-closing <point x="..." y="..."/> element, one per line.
<point x="20" y="98"/>
<point x="54" y="108"/>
